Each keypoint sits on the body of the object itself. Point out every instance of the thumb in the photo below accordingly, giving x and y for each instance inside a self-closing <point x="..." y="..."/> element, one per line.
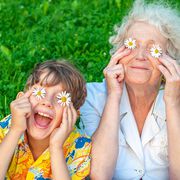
<point x="20" y="94"/>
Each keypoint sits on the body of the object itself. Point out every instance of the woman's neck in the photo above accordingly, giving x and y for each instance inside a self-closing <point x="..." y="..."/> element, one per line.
<point x="142" y="95"/>
<point x="37" y="147"/>
<point x="141" y="98"/>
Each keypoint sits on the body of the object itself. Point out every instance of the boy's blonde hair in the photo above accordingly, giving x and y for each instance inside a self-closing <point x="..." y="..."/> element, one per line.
<point x="60" y="72"/>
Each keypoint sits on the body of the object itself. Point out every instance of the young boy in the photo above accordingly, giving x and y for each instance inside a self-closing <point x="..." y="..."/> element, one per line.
<point x="39" y="140"/>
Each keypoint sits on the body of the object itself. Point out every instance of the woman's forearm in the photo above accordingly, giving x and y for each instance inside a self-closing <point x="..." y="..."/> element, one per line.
<point x="105" y="141"/>
<point x="173" y="125"/>
<point x="58" y="164"/>
<point x="7" y="148"/>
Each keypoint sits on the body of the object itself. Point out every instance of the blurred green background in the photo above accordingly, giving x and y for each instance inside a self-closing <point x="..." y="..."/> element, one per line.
<point x="32" y="31"/>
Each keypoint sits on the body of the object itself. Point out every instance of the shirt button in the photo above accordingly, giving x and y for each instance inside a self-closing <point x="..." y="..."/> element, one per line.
<point x="140" y="171"/>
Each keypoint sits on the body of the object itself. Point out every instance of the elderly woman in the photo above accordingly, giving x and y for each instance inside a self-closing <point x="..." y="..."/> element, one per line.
<point x="134" y="114"/>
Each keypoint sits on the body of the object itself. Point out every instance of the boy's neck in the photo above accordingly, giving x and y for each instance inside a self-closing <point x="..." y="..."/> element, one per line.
<point x="37" y="147"/>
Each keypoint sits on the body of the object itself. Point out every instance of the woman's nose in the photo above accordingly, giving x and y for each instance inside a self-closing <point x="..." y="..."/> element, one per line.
<point x="141" y="54"/>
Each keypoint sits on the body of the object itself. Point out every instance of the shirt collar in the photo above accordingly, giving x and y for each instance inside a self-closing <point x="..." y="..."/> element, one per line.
<point x="158" y="105"/>
<point x="158" y="108"/>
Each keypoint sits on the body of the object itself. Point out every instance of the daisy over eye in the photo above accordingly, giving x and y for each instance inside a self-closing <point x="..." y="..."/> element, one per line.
<point x="130" y="43"/>
<point x="64" y="98"/>
<point x="156" y="51"/>
<point x="39" y="93"/>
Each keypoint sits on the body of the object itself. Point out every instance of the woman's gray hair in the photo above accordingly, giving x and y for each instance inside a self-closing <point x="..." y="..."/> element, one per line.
<point x="162" y="16"/>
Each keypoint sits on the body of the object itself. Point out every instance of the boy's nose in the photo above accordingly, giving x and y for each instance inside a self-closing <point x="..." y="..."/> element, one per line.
<point x="46" y="103"/>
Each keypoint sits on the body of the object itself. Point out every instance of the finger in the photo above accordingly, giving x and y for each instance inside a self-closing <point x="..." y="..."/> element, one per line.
<point x="28" y="93"/>
<point x="22" y="100"/>
<point x="164" y="71"/>
<point x="122" y="48"/>
<point x="22" y="106"/>
<point x="169" y="66"/>
<point x="152" y="59"/>
<point x="69" y="118"/>
<point x="176" y="65"/>
<point x="114" y="67"/>
<point x="64" y="122"/>
<point x="74" y="114"/>
<point x="19" y="95"/>
<point x="116" y="58"/>
<point x="120" y="78"/>
<point x="28" y="115"/>
<point x="114" y="73"/>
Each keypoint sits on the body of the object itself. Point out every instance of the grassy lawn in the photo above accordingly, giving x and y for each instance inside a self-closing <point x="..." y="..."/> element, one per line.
<point x="32" y="31"/>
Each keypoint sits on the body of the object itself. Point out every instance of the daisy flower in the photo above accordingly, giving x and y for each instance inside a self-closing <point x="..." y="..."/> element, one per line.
<point x="39" y="93"/>
<point x="156" y="51"/>
<point x="130" y="43"/>
<point x="64" y="98"/>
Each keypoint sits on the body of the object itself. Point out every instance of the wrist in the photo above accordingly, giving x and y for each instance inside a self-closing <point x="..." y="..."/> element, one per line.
<point x="15" y="133"/>
<point x="55" y="149"/>
<point x="114" y="96"/>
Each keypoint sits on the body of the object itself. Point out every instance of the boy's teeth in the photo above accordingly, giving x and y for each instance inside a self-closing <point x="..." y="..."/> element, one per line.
<point x="45" y="115"/>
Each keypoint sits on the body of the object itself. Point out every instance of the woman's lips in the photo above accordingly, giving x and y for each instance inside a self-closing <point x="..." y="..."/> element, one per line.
<point x="139" y="67"/>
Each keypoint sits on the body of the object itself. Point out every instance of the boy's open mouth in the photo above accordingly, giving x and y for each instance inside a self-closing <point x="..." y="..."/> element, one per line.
<point x="42" y="120"/>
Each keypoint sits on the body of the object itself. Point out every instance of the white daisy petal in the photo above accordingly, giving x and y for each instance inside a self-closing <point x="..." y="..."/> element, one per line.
<point x="64" y="98"/>
<point x="130" y="43"/>
<point x="39" y="93"/>
<point x="156" y="51"/>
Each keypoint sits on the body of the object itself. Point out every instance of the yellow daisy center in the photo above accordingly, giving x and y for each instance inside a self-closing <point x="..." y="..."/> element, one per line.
<point x="39" y="93"/>
<point x="156" y="51"/>
<point x="63" y="99"/>
<point x="130" y="43"/>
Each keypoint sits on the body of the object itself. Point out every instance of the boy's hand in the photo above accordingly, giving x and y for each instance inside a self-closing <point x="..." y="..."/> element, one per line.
<point x="60" y="134"/>
<point x="21" y="111"/>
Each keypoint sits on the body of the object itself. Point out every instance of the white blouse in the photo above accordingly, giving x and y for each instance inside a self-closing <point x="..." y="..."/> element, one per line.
<point x="143" y="157"/>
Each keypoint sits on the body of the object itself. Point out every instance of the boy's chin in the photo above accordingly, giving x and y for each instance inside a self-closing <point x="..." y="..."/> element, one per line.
<point x="38" y="134"/>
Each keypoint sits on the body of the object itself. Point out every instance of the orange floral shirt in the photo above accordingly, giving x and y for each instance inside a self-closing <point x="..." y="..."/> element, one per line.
<point x="23" y="167"/>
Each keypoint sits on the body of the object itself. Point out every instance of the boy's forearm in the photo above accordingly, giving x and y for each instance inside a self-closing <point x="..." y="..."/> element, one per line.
<point x="173" y="125"/>
<point x="58" y="164"/>
<point x="7" y="148"/>
<point x="103" y="163"/>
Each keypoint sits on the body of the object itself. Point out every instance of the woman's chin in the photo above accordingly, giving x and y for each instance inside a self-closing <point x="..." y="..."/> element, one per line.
<point x="137" y="81"/>
<point x="137" y="78"/>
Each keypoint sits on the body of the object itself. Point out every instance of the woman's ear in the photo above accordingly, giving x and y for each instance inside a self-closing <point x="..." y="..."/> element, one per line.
<point x="20" y="94"/>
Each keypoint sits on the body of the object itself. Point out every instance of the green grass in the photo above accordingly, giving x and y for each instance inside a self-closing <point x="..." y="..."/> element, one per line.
<point x="36" y="30"/>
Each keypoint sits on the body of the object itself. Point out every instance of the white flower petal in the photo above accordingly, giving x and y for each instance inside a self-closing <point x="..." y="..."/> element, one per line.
<point x="39" y="93"/>
<point x="156" y="51"/>
<point x="130" y="43"/>
<point x="66" y="97"/>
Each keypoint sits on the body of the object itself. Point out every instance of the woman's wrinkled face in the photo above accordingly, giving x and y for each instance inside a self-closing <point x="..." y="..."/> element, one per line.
<point x="140" y="66"/>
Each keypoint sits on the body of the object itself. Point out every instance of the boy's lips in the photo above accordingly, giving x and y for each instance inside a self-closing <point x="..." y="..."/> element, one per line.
<point x="42" y="120"/>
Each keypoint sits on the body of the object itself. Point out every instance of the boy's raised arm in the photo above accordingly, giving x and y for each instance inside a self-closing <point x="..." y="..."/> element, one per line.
<point x="7" y="148"/>
<point x="58" y="137"/>
<point x="20" y="110"/>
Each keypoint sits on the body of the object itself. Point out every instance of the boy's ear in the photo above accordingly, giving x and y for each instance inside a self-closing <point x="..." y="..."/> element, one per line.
<point x="20" y="94"/>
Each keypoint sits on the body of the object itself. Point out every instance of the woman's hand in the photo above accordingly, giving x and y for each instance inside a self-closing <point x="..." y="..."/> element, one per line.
<point x="60" y="134"/>
<point x="21" y="111"/>
<point x="114" y="72"/>
<point x="171" y="71"/>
